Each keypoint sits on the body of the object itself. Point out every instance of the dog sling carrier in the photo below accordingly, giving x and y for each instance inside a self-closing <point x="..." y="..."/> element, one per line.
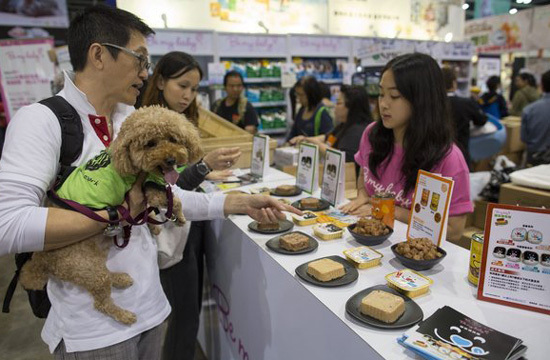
<point x="72" y="138"/>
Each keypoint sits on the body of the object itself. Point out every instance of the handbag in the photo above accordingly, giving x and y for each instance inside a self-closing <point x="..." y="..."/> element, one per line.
<point x="171" y="242"/>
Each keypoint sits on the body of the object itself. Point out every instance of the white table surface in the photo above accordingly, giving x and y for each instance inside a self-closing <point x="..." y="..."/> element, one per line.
<point x="450" y="287"/>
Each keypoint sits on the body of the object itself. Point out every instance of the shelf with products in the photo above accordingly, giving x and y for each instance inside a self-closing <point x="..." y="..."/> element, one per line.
<point x="262" y="80"/>
<point x="272" y="120"/>
<point x="329" y="71"/>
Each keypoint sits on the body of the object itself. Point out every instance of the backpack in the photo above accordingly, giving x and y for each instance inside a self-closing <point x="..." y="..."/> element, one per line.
<point x="72" y="138"/>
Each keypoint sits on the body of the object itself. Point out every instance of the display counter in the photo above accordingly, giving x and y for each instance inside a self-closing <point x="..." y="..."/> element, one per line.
<point x="257" y="307"/>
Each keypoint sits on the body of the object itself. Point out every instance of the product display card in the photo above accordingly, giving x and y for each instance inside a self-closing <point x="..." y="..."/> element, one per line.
<point x="430" y="207"/>
<point x="515" y="266"/>
<point x="216" y="72"/>
<point x="333" y="184"/>
<point x="259" y="161"/>
<point x="307" y="174"/>
<point x="288" y="75"/>
<point x="26" y="72"/>
<point x="450" y="335"/>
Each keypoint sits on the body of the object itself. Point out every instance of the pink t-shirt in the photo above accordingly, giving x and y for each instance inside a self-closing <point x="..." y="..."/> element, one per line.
<point x="452" y="166"/>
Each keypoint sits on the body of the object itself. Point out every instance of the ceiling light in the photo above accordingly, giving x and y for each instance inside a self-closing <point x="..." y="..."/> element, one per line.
<point x="465" y="6"/>
<point x="513" y="11"/>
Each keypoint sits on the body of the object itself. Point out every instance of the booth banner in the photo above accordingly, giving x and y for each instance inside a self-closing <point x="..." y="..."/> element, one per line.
<point x="538" y="38"/>
<point x="26" y="72"/>
<point x="192" y="42"/>
<point x="498" y="34"/>
<point x="377" y="52"/>
<point x="248" y="45"/>
<point x="368" y="18"/>
<point x="35" y="14"/>
<point x="452" y="51"/>
<point x="407" y="19"/>
<point x="310" y="45"/>
<point x="244" y="16"/>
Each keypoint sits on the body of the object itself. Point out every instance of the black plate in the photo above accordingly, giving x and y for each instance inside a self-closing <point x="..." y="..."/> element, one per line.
<point x="323" y="205"/>
<point x="284" y="225"/>
<point x="273" y="244"/>
<point x="418" y="264"/>
<point x="351" y="273"/>
<point x="412" y="315"/>
<point x="297" y="191"/>
<point x="369" y="240"/>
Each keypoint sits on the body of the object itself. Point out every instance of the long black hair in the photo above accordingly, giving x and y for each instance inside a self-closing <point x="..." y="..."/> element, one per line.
<point x="357" y="102"/>
<point x="313" y="90"/>
<point x="428" y="137"/>
<point x="171" y="66"/>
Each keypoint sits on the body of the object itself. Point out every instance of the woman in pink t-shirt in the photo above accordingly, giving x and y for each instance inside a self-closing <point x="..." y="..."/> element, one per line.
<point x="414" y="133"/>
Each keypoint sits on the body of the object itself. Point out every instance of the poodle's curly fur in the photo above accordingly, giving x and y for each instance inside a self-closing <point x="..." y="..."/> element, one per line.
<point x="149" y="141"/>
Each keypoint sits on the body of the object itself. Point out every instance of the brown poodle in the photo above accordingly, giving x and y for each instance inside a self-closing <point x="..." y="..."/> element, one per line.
<point x="153" y="140"/>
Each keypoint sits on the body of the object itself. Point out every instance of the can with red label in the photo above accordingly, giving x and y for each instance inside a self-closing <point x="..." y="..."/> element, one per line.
<point x="383" y="207"/>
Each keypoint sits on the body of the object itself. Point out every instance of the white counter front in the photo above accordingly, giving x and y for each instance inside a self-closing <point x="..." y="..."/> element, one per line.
<point x="264" y="311"/>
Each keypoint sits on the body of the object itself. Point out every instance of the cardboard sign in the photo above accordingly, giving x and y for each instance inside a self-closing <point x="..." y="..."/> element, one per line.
<point x="515" y="266"/>
<point x="307" y="175"/>
<point x="430" y="207"/>
<point x="259" y="163"/>
<point x="333" y="185"/>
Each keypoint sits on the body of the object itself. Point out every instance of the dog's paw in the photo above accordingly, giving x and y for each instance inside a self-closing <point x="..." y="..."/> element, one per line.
<point x="126" y="317"/>
<point x="180" y="220"/>
<point x="155" y="230"/>
<point x="121" y="280"/>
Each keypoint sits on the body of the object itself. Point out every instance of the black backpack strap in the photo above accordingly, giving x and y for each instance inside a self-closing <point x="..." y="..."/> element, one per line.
<point x="20" y="260"/>
<point x="72" y="135"/>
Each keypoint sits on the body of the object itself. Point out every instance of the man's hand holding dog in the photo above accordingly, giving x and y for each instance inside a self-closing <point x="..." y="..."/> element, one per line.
<point x="261" y="208"/>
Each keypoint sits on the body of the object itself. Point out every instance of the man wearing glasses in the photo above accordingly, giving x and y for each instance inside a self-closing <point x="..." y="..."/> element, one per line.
<point x="108" y="52"/>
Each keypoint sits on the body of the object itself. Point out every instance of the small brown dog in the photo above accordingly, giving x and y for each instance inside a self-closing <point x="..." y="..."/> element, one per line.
<point x="153" y="140"/>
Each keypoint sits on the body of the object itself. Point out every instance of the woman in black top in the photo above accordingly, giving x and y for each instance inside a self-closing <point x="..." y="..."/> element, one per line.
<point x="313" y="118"/>
<point x="352" y="113"/>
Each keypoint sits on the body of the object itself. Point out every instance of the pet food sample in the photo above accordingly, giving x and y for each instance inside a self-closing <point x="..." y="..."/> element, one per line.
<point x="409" y="282"/>
<point x="363" y="257"/>
<point x="326" y="269"/>
<point x="268" y="226"/>
<point x="383" y="306"/>
<point x="418" y="249"/>
<point x="310" y="203"/>
<point x="308" y="218"/>
<point x="293" y="242"/>
<point x="328" y="231"/>
<point x="286" y="189"/>
<point x="371" y="227"/>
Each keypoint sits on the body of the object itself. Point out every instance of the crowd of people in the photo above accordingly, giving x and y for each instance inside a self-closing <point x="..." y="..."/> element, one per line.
<point x="419" y="123"/>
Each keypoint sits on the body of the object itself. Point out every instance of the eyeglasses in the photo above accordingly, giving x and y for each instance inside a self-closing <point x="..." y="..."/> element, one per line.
<point x="144" y="63"/>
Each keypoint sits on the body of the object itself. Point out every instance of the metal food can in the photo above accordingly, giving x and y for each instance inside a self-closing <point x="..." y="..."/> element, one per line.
<point x="476" y="251"/>
<point x="383" y="207"/>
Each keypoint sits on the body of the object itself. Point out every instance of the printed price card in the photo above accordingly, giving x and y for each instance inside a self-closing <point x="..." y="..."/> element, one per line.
<point x="430" y="207"/>
<point x="515" y="265"/>
<point x="307" y="175"/>
<point x="333" y="185"/>
<point x="259" y="163"/>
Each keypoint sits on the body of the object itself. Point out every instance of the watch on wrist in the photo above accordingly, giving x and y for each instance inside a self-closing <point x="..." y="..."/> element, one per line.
<point x="203" y="168"/>
<point x="113" y="229"/>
